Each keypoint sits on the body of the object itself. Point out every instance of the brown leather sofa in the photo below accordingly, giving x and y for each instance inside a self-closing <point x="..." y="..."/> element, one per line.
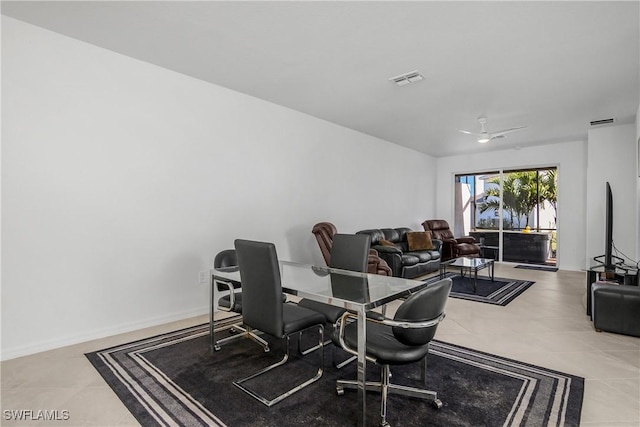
<point x="324" y="232"/>
<point x="452" y="247"/>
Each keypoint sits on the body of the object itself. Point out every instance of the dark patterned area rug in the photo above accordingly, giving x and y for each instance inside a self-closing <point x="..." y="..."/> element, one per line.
<point x="499" y="292"/>
<point x="173" y="379"/>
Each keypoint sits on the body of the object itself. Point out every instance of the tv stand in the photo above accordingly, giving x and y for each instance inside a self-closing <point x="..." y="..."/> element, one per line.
<point x="614" y="262"/>
<point x="620" y="274"/>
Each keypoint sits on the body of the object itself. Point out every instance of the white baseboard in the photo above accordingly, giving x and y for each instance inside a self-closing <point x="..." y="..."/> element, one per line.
<point x="12" y="353"/>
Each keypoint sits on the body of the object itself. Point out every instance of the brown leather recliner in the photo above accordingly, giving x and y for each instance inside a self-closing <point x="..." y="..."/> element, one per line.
<point x="452" y="247"/>
<point x="324" y="232"/>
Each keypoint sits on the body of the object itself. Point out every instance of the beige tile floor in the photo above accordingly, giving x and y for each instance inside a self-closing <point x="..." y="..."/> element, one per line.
<point x="545" y="326"/>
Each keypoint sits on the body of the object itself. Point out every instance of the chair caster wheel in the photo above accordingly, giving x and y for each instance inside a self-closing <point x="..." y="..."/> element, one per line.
<point x="339" y="391"/>
<point x="437" y="403"/>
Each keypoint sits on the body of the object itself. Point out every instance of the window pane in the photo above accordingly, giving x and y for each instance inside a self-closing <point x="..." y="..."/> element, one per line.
<point x="528" y="204"/>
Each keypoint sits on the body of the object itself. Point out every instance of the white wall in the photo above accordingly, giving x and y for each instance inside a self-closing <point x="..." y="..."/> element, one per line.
<point x="612" y="157"/>
<point x="569" y="157"/>
<point x="121" y="180"/>
<point x="583" y="168"/>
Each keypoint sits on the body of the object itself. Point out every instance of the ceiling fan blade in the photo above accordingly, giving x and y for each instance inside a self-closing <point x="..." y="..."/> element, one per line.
<point x="505" y="131"/>
<point x="497" y="137"/>
<point x="470" y="133"/>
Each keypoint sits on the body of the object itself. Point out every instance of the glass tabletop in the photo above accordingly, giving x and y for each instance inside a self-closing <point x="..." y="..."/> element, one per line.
<point x="465" y="262"/>
<point x="340" y="288"/>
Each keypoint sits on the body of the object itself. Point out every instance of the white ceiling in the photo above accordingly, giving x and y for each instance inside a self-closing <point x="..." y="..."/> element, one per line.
<point x="551" y="65"/>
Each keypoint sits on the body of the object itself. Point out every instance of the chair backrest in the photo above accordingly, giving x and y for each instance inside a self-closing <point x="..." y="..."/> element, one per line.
<point x="261" y="286"/>
<point x="439" y="229"/>
<point x="225" y="258"/>
<point x="350" y="252"/>
<point x="324" y="232"/>
<point x="427" y="304"/>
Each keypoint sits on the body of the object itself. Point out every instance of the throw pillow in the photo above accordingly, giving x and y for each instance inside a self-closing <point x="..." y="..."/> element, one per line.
<point x="419" y="241"/>
<point x="384" y="242"/>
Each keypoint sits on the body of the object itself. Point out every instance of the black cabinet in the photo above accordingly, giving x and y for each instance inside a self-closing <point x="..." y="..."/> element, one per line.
<point x="518" y="246"/>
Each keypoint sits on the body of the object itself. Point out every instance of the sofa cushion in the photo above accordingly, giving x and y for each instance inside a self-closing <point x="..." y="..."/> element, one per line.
<point x="404" y="246"/>
<point x="419" y="241"/>
<point x="467" y="249"/>
<point x="409" y="258"/>
<point x="391" y="235"/>
<point x="434" y="254"/>
<point x="437" y="224"/>
<point x="423" y="256"/>
<point x="376" y="235"/>
<point x="439" y="229"/>
<point x="402" y="233"/>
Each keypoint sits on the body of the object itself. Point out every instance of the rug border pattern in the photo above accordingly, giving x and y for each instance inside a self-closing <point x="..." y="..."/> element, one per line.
<point x="160" y="401"/>
<point x="158" y="398"/>
<point x="501" y="296"/>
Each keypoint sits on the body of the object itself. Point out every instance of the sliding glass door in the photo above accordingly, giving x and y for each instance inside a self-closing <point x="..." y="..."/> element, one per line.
<point x="512" y="213"/>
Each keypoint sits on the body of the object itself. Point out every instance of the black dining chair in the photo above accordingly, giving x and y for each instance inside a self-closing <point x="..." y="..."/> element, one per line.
<point x="232" y="301"/>
<point x="348" y="252"/>
<point x="263" y="309"/>
<point x="398" y="341"/>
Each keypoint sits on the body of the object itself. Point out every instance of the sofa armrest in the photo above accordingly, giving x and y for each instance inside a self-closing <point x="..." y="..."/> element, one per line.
<point x="376" y="265"/>
<point x="387" y="249"/>
<point x="393" y="259"/>
<point x="466" y="239"/>
<point x="437" y="244"/>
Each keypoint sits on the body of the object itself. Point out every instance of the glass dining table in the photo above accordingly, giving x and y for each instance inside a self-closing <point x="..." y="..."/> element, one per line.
<point x="358" y="292"/>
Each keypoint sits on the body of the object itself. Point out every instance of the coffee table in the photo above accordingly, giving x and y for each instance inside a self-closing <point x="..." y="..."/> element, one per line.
<point x="470" y="265"/>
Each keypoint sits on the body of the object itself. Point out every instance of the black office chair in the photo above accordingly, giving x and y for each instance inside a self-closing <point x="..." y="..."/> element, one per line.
<point x="348" y="252"/>
<point x="403" y="340"/>
<point x="233" y="300"/>
<point x="263" y="309"/>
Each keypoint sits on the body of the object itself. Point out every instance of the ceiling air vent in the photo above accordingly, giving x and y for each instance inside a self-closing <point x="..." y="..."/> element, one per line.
<point x="601" y="122"/>
<point x="406" y="78"/>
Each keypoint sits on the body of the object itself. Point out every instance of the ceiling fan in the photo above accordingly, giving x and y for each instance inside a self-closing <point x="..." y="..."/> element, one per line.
<point x="484" y="136"/>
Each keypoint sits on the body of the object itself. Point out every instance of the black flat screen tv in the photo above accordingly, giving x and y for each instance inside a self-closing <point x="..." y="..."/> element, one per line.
<point x="608" y="236"/>
<point x="614" y="266"/>
<point x="609" y="261"/>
